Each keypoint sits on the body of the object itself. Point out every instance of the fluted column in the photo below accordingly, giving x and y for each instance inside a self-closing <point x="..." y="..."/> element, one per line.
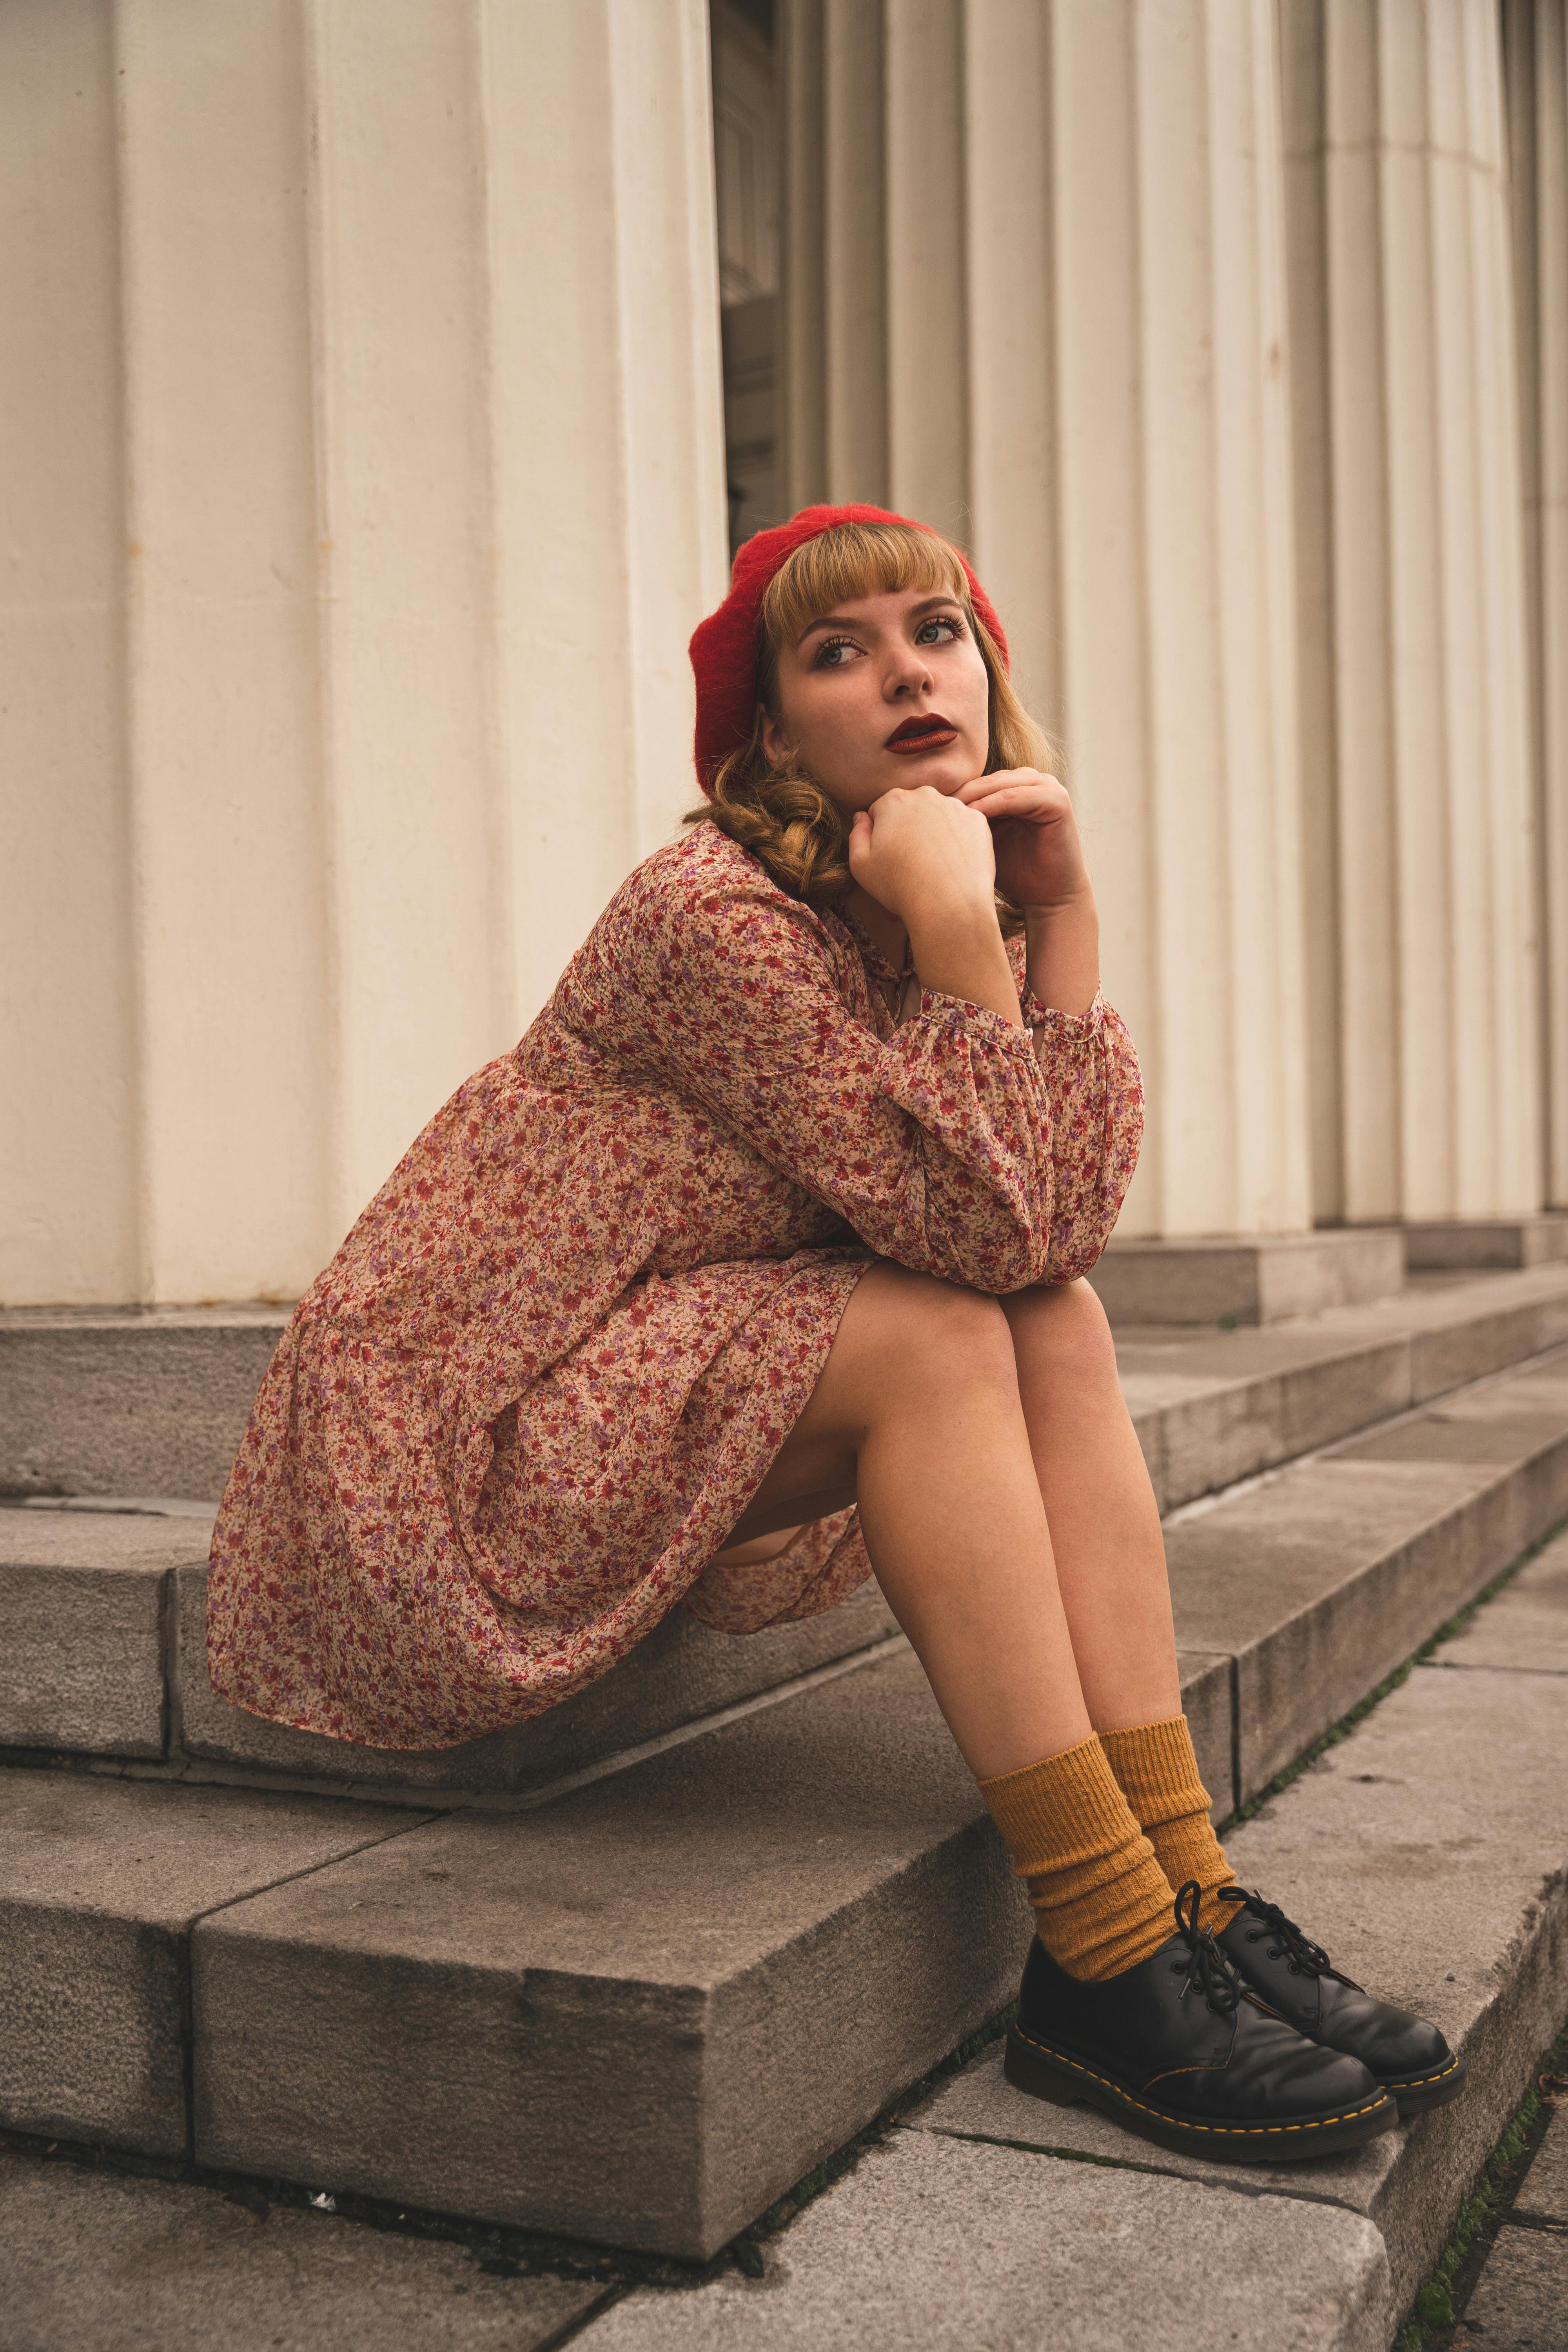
<point x="363" y="401"/>
<point x="1417" y="793"/>
<point x="1074" y="359"/>
<point x="1536" y="51"/>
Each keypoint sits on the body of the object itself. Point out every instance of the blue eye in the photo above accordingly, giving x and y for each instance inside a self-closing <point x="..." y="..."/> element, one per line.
<point x="948" y="621"/>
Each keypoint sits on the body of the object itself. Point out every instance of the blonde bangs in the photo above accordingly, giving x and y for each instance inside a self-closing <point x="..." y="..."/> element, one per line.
<point x="796" y="830"/>
<point x="855" y="558"/>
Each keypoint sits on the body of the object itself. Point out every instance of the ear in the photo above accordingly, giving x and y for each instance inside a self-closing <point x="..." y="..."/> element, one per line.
<point x="775" y="742"/>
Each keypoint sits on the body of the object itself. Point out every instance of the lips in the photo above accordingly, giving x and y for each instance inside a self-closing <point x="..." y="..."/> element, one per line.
<point x="930" y="732"/>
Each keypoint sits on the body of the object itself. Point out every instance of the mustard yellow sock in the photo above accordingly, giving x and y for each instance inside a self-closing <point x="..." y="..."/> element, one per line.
<point x="1101" y="1901"/>
<point x="1158" y="1774"/>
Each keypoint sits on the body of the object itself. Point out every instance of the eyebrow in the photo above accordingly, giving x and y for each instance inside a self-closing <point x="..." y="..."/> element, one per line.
<point x="842" y="620"/>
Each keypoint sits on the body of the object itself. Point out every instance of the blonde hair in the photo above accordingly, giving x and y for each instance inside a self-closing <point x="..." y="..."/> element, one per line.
<point x="794" y="829"/>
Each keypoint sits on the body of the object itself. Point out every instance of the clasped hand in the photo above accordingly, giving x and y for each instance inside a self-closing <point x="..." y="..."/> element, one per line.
<point x="917" y="850"/>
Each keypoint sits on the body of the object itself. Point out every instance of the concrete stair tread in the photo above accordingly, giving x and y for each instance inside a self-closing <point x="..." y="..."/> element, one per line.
<point x="108" y="2261"/>
<point x="1319" y="1580"/>
<point x="607" y="2009"/>
<point x="1426" y="1851"/>
<point x="1529" y="1633"/>
<point x="938" y="2245"/>
<point x="101" y="1882"/>
<point x="1211" y="1407"/>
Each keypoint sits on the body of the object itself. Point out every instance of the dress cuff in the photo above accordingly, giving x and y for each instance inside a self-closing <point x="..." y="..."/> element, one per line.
<point x="1070" y="1027"/>
<point x="960" y="1017"/>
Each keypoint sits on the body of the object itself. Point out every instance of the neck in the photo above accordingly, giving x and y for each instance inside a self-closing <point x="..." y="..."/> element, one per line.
<point x="884" y="930"/>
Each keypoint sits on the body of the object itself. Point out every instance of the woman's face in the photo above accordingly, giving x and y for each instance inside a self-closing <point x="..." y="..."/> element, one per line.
<point x="884" y="692"/>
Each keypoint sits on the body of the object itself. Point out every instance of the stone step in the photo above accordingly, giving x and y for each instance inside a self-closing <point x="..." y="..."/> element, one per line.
<point x="1246" y="1279"/>
<point x="105" y="1660"/>
<point x="108" y="1607"/>
<point x="1428" y="1849"/>
<point x="1484" y="1241"/>
<point x="638" y="2012"/>
<point x="128" y="1401"/>
<point x="149" y="1402"/>
<point x="1216" y="1406"/>
<point x="1314" y="1582"/>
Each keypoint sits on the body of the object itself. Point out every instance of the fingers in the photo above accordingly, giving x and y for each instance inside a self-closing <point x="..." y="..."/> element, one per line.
<point x="1014" y="791"/>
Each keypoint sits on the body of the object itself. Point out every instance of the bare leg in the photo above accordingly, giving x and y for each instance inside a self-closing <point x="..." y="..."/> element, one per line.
<point x="1104" y="1522"/>
<point x="918" y="1415"/>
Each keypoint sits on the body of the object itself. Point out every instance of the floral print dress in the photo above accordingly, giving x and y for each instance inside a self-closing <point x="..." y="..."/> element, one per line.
<point x="510" y="1426"/>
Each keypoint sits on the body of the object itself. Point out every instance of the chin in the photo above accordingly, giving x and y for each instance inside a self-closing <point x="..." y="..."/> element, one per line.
<point x="944" y="773"/>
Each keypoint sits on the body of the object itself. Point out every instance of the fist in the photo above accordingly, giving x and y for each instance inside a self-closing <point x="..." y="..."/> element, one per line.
<point x="1039" y="857"/>
<point x="919" y="853"/>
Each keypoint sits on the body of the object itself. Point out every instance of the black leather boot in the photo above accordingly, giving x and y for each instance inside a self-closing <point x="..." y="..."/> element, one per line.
<point x="1178" y="2051"/>
<point x="1403" y="2055"/>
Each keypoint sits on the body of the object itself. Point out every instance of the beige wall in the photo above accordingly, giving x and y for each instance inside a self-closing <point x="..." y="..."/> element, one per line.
<point x="1420" y="815"/>
<point x="362" y="386"/>
<point x="1536" y="51"/>
<point x="1196" y="318"/>
<point x="1035" y="274"/>
<point x="366" y="480"/>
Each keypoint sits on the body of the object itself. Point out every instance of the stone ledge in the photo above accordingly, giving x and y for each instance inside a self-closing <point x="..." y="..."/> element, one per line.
<point x="1213" y="1278"/>
<point x="637" y="2015"/>
<point x="1320" y="1580"/>
<point x="135" y="1402"/>
<point x="81" y="1663"/>
<point x="1472" y="1242"/>
<point x="1213" y="1407"/>
<point x="100" y="1883"/>
<point x="933" y="2244"/>
<point x="683" y="1671"/>
<point x="98" y="2260"/>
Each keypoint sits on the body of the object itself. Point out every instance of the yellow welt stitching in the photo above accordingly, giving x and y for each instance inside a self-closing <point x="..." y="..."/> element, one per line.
<point x="1166" y="2114"/>
<point x="1415" y="2082"/>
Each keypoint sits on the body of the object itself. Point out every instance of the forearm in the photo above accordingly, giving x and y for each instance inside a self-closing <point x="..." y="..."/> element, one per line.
<point x="960" y="952"/>
<point x="1063" y="944"/>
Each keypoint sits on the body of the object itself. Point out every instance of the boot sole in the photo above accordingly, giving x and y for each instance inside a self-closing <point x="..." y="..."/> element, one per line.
<point x="1066" y="2081"/>
<point x="1416" y="2093"/>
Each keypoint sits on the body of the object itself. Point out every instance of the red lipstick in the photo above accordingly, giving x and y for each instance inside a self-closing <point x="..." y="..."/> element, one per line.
<point x="930" y="732"/>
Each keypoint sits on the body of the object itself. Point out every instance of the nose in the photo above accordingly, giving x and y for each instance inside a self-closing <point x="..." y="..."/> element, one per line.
<point x="908" y="672"/>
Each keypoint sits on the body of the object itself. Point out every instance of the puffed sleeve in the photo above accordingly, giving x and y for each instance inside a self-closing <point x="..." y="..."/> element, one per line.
<point x="936" y="1145"/>
<point x="1096" y="1091"/>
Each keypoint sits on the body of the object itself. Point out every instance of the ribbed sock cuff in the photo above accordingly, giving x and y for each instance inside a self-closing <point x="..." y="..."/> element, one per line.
<point x="1101" y="1901"/>
<point x="1157" y="1768"/>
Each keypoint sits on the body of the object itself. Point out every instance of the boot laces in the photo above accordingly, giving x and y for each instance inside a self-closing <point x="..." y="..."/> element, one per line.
<point x="1206" y="1965"/>
<point x="1287" y="1941"/>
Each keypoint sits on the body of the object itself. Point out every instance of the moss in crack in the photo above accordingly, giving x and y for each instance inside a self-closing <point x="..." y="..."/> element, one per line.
<point x="1440" y="2301"/>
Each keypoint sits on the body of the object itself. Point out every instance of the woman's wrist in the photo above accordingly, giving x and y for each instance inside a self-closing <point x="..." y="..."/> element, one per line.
<point x="1063" y="952"/>
<point x="958" y="950"/>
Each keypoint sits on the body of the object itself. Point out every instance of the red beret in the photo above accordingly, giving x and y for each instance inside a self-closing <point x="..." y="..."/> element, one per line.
<point x="724" y="647"/>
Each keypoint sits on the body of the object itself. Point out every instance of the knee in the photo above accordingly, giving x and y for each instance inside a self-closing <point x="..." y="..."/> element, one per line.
<point x="951" y="1334"/>
<point x="1060" y="1329"/>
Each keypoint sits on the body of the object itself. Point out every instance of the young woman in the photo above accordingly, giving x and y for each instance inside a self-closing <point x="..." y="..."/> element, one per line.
<point x="757" y="1268"/>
